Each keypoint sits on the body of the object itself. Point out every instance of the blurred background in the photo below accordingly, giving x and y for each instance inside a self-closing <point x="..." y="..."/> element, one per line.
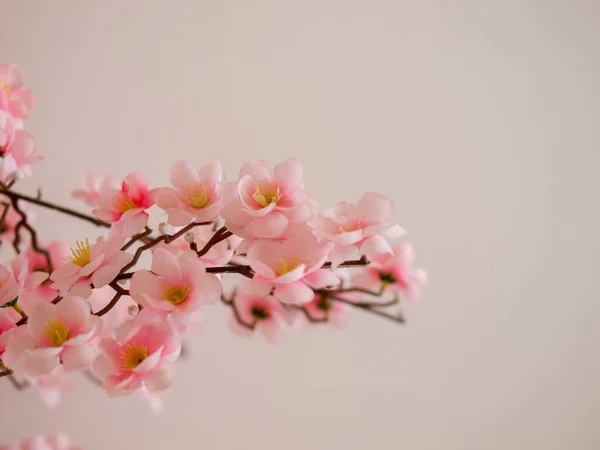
<point x="478" y="118"/>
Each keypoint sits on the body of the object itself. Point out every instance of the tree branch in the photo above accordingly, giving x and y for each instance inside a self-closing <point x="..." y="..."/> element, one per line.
<point x="37" y="201"/>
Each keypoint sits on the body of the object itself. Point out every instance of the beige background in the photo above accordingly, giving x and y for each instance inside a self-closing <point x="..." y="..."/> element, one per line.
<point x="480" y="120"/>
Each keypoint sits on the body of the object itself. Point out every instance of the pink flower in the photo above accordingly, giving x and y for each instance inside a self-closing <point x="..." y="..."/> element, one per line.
<point x="141" y="359"/>
<point x="12" y="279"/>
<point x="8" y="322"/>
<point x="98" y="263"/>
<point x="197" y="195"/>
<point x="37" y="285"/>
<point x="19" y="156"/>
<point x="54" y="334"/>
<point x="36" y="262"/>
<point x="8" y="128"/>
<point x="359" y="226"/>
<point x="51" y="386"/>
<point x="125" y="207"/>
<point x="287" y="267"/>
<point x="394" y="272"/>
<point x="14" y="96"/>
<point x="92" y="187"/>
<point x="267" y="202"/>
<point x="320" y="308"/>
<point x="177" y="286"/>
<point x="265" y="312"/>
<point x="56" y="442"/>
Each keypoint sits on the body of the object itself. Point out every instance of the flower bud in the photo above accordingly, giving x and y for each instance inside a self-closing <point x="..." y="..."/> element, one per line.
<point x="164" y="228"/>
<point x="189" y="237"/>
<point x="133" y="310"/>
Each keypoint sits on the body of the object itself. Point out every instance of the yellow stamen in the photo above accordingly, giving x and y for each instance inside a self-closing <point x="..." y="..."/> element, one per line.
<point x="176" y="294"/>
<point x="133" y="356"/>
<point x="124" y="203"/>
<point x="57" y="333"/>
<point x="198" y="196"/>
<point x="5" y="88"/>
<point x="266" y="195"/>
<point x="80" y="255"/>
<point x="286" y="267"/>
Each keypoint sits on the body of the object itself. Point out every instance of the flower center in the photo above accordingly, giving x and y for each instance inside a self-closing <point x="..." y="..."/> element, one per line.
<point x="80" y="255"/>
<point x="176" y="294"/>
<point x="387" y="278"/>
<point x="198" y="196"/>
<point x="5" y="88"/>
<point x="259" y="313"/>
<point x="287" y="267"/>
<point x="324" y="304"/>
<point x="265" y="195"/>
<point x="124" y="203"/>
<point x="56" y="332"/>
<point x="350" y="226"/>
<point x="133" y="356"/>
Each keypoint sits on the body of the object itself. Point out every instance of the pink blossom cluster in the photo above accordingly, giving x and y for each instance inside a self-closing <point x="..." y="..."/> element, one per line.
<point x="58" y="441"/>
<point x="118" y="307"/>
<point x="17" y="146"/>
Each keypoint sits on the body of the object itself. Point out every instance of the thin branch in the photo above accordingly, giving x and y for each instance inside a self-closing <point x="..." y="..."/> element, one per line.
<point x="4" y="214"/>
<point x="119" y="292"/>
<point x="220" y="235"/>
<point x="37" y="201"/>
<point x="398" y="318"/>
<point x="138" y="237"/>
<point x="230" y="302"/>
<point x="363" y="261"/>
<point x="166" y="238"/>
<point x="32" y="233"/>
<point x="91" y="376"/>
<point x="306" y="313"/>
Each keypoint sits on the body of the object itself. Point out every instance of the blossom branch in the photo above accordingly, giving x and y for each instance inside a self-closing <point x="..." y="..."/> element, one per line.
<point x="398" y="318"/>
<point x="119" y="292"/>
<point x="38" y="201"/>
<point x="23" y="223"/>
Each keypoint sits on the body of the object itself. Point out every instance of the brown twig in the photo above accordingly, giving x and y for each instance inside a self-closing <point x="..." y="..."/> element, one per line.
<point x="231" y="303"/>
<point x="24" y="223"/>
<point x="396" y="318"/>
<point x="37" y="201"/>
<point x="119" y="292"/>
<point x="306" y="313"/>
<point x="166" y="238"/>
<point x="220" y="235"/>
<point x="138" y="237"/>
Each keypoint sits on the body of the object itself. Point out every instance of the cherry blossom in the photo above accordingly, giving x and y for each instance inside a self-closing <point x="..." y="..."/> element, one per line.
<point x="98" y="263"/>
<point x="323" y="308"/>
<point x="288" y="268"/>
<point x="268" y="201"/>
<point x="140" y="359"/>
<point x="125" y="207"/>
<point x="178" y="286"/>
<point x="14" y="96"/>
<point x="394" y="272"/>
<point x="51" y="386"/>
<point x="360" y="226"/>
<point x="55" y="333"/>
<point x="8" y="326"/>
<point x="8" y="128"/>
<point x="19" y="156"/>
<point x="58" y="441"/>
<point x="196" y="194"/>
<point x="93" y="186"/>
<point x="265" y="313"/>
